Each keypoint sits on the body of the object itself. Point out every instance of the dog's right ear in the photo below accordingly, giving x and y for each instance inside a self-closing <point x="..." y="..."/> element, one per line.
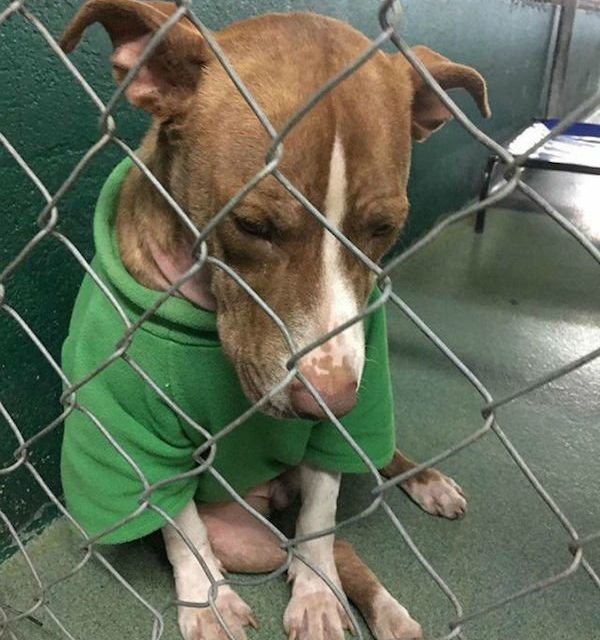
<point x="428" y="112"/>
<point x="164" y="84"/>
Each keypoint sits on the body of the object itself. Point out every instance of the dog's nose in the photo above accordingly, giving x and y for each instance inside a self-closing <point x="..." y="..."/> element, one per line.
<point x="339" y="395"/>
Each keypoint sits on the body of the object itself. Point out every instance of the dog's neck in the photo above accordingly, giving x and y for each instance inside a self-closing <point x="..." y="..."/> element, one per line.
<point x="169" y="267"/>
<point x="154" y="246"/>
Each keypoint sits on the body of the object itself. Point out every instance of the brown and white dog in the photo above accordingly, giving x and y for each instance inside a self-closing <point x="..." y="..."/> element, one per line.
<point x="350" y="156"/>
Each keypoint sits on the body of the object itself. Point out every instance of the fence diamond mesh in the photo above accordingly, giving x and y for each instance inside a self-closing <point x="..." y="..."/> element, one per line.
<point x="389" y="17"/>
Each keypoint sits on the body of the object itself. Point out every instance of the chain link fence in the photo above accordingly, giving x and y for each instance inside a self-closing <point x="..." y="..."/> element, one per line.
<point x="389" y="17"/>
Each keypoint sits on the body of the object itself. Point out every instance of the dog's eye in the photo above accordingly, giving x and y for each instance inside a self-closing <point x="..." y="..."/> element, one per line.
<point x="256" y="228"/>
<point x="383" y="230"/>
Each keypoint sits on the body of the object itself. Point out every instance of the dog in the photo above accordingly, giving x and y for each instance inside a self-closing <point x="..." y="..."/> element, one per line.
<point x="350" y="157"/>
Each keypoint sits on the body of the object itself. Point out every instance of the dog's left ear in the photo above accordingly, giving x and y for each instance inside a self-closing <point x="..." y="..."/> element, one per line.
<point x="428" y="112"/>
<point x="168" y="78"/>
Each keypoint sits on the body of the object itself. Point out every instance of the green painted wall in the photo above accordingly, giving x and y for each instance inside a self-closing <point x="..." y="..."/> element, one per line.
<point x="583" y="72"/>
<point x="48" y="118"/>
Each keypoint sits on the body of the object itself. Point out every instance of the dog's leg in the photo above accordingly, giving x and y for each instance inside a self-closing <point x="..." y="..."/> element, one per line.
<point x="314" y="611"/>
<point x="242" y="543"/>
<point x="386" y="617"/>
<point x="192" y="583"/>
<point x="248" y="550"/>
<point x="431" y="490"/>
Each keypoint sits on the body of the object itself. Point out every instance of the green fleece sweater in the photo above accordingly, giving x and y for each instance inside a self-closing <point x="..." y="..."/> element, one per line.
<point x="179" y="349"/>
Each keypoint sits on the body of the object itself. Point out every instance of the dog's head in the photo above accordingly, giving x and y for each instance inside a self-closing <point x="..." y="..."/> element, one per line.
<point x="349" y="155"/>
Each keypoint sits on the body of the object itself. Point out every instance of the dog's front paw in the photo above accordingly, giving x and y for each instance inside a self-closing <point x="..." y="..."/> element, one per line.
<point x="316" y="615"/>
<point x="389" y="620"/>
<point x="201" y="624"/>
<point x="436" y="493"/>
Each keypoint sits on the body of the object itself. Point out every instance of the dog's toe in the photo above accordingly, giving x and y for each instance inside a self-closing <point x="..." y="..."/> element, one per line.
<point x="389" y="620"/>
<point x="316" y="616"/>
<point x="437" y="494"/>
<point x="202" y="624"/>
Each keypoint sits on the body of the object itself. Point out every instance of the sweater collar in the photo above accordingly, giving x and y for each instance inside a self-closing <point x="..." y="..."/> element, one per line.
<point x="174" y="314"/>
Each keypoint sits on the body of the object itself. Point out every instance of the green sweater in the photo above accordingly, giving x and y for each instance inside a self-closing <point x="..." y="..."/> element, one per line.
<point x="179" y="349"/>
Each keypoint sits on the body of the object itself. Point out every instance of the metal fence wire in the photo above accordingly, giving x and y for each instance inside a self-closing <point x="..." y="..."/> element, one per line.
<point x="389" y="17"/>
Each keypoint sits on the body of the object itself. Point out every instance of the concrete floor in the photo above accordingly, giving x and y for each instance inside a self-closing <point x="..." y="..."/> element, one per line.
<point x="513" y="303"/>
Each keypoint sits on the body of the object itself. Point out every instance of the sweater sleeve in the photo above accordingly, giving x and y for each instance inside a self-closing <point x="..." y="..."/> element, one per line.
<point x="133" y="439"/>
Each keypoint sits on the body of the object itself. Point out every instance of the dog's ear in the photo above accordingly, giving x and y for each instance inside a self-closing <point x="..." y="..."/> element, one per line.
<point x="428" y="112"/>
<point x="164" y="84"/>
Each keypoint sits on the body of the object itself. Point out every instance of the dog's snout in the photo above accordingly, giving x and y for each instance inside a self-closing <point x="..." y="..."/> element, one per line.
<point x="338" y="393"/>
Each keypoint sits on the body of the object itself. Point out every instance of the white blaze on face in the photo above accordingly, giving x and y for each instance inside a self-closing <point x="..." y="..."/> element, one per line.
<point x="338" y="302"/>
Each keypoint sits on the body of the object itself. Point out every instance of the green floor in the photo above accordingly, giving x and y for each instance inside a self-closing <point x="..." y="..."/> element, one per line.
<point x="513" y="303"/>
